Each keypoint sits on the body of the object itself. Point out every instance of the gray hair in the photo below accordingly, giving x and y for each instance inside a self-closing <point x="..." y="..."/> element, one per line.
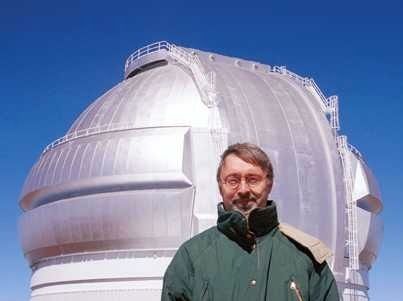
<point x="250" y="153"/>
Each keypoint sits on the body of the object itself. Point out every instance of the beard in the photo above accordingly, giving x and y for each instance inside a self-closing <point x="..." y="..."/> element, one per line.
<point x="245" y="205"/>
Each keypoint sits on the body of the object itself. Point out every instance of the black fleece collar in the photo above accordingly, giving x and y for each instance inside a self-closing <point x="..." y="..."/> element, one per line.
<point x="244" y="230"/>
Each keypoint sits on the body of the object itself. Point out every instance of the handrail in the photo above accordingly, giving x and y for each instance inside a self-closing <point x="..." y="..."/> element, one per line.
<point x="355" y="151"/>
<point x="284" y="70"/>
<point x="305" y="81"/>
<point x="328" y="104"/>
<point x="333" y="110"/>
<point x="319" y="91"/>
<point x="203" y="79"/>
<point x="161" y="45"/>
<point x="87" y="132"/>
<point x="107" y="128"/>
<point x="176" y="51"/>
<point x="353" y="264"/>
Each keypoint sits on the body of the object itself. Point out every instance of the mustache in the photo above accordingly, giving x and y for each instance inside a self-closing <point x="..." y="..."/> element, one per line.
<point x="245" y="199"/>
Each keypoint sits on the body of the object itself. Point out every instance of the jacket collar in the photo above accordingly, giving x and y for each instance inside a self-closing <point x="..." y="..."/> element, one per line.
<point x="244" y="230"/>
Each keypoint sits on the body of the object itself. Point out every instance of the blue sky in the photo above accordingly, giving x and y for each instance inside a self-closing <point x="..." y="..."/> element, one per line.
<point x="55" y="59"/>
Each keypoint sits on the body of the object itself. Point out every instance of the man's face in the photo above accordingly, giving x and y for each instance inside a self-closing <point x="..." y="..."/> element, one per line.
<point x="243" y="186"/>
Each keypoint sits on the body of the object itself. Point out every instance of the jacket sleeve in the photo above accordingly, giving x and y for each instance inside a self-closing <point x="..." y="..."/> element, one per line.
<point x="323" y="285"/>
<point x="178" y="278"/>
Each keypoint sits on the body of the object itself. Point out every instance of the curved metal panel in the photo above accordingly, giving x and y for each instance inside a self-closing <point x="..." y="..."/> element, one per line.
<point x="107" y="162"/>
<point x="133" y="220"/>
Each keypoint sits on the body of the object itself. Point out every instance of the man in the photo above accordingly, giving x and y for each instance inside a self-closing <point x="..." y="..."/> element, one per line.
<point x="248" y="255"/>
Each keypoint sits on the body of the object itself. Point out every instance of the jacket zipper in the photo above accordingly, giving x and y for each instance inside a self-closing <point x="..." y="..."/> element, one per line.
<point x="294" y="287"/>
<point x="255" y="242"/>
<point x="204" y="291"/>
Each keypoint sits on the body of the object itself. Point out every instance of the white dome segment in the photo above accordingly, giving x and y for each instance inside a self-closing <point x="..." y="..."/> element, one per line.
<point x="107" y="205"/>
<point x="162" y="97"/>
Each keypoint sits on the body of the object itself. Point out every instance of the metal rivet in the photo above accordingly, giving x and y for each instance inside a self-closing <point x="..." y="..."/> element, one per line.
<point x="253" y="282"/>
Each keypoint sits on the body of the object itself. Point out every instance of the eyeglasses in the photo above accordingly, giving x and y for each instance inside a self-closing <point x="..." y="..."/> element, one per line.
<point x="234" y="182"/>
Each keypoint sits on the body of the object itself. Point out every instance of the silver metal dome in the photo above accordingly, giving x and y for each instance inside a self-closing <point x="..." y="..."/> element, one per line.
<point x="135" y="175"/>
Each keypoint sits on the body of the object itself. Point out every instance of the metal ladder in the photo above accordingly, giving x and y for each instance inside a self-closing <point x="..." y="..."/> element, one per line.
<point x="330" y="106"/>
<point x="351" y="210"/>
<point x="204" y="80"/>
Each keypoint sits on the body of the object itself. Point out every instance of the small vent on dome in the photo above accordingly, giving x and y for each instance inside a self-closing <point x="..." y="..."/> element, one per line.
<point x="148" y="66"/>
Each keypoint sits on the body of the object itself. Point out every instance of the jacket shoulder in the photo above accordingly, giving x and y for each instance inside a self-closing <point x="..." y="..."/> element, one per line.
<point x="190" y="251"/>
<point x="317" y="249"/>
<point x="199" y="243"/>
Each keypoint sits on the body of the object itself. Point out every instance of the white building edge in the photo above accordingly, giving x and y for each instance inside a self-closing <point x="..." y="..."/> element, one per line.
<point x="106" y="206"/>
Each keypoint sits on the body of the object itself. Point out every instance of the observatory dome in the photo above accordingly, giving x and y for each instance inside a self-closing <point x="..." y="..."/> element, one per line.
<point x="107" y="205"/>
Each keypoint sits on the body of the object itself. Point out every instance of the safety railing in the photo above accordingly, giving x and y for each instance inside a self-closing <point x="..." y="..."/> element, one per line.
<point x="333" y="110"/>
<point x="305" y="81"/>
<point x="319" y="91"/>
<point x="204" y="80"/>
<point x="328" y="104"/>
<point x="146" y="50"/>
<point x="181" y="55"/>
<point x="284" y="70"/>
<point x="114" y="127"/>
<point x="355" y="151"/>
<point x="87" y="132"/>
<point x="193" y="62"/>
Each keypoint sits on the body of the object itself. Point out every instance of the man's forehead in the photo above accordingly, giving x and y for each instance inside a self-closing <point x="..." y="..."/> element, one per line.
<point x="234" y="163"/>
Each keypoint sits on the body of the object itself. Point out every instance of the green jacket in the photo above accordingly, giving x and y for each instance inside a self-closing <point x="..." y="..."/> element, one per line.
<point x="249" y="260"/>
